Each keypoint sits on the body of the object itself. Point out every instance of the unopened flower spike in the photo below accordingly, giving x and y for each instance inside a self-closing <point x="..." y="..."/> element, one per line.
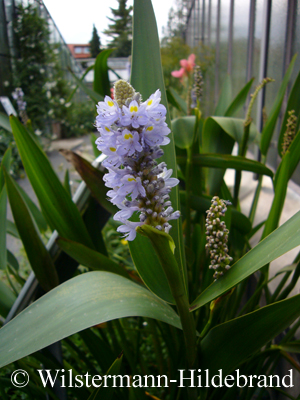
<point x="196" y="92"/>
<point x="131" y="133"/>
<point x="290" y="132"/>
<point x="217" y="237"/>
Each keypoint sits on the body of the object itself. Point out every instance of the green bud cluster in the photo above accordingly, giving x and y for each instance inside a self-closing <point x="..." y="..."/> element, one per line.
<point x="290" y="131"/>
<point x="198" y="82"/>
<point x="217" y="237"/>
<point x="124" y="93"/>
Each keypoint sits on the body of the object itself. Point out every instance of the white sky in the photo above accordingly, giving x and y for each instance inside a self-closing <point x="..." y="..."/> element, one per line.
<point x="75" y="19"/>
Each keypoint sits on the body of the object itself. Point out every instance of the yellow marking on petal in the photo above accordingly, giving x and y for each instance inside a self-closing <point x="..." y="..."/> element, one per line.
<point x="131" y="179"/>
<point x="149" y="102"/>
<point x="110" y="103"/>
<point x="128" y="136"/>
<point x="150" y="128"/>
<point x="133" y="109"/>
<point x="112" y="149"/>
<point x="107" y="129"/>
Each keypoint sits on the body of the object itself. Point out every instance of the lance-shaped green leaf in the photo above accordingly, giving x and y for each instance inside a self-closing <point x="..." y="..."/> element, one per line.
<point x="291" y="347"/>
<point x="225" y="97"/>
<point x="268" y="130"/>
<point x="219" y="135"/>
<point x="183" y="131"/>
<point x="7" y="299"/>
<point x="279" y="242"/>
<point x="59" y="210"/>
<point x="3" y="202"/>
<point x="103" y="392"/>
<point x="90" y="258"/>
<point x="96" y="97"/>
<point x="228" y="345"/>
<point x="12" y="261"/>
<point x="293" y="104"/>
<point x="11" y="229"/>
<point x="6" y="160"/>
<point x="92" y="177"/>
<point x="239" y="100"/>
<point x="38" y="256"/>
<point x="181" y="103"/>
<point x="101" y="80"/>
<point x="228" y="161"/>
<point x="146" y="78"/>
<point x="4" y="122"/>
<point x="86" y="300"/>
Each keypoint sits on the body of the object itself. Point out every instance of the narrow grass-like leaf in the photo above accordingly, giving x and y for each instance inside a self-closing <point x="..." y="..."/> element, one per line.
<point x="90" y="68"/>
<point x="226" y="346"/>
<point x="90" y="258"/>
<point x="279" y="198"/>
<point x="3" y="202"/>
<point x="183" y="131"/>
<point x="92" y="177"/>
<point x="86" y="300"/>
<point x="59" y="210"/>
<point x="179" y="100"/>
<point x="279" y="242"/>
<point x="38" y="256"/>
<point x="101" y="80"/>
<point x="267" y="132"/>
<point x="224" y="98"/>
<point x="12" y="261"/>
<point x="11" y="229"/>
<point x="239" y="100"/>
<point x="96" y="97"/>
<point x="7" y="299"/>
<point x="67" y="183"/>
<point x="6" y="160"/>
<point x="146" y="78"/>
<point x="228" y="161"/>
<point x="103" y="392"/>
<point x="4" y="122"/>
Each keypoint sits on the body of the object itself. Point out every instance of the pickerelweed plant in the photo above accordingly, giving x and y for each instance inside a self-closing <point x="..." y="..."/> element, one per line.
<point x="131" y="133"/>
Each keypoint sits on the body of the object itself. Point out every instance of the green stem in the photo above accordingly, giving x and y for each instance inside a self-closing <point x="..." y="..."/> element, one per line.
<point x="188" y="196"/>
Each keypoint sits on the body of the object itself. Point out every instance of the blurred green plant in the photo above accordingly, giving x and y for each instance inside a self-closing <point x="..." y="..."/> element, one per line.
<point x="166" y="290"/>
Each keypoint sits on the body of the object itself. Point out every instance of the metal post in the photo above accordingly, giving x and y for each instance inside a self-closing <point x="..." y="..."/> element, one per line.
<point x="217" y="52"/>
<point x="250" y="46"/>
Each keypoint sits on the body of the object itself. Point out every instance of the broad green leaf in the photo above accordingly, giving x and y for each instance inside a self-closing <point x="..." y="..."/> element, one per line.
<point x="293" y="104"/>
<point x="7" y="299"/>
<point x="90" y="258"/>
<point x="101" y="80"/>
<point x="279" y="242"/>
<point x="6" y="160"/>
<point x="291" y="347"/>
<point x="96" y="97"/>
<point x="86" y="300"/>
<point x="224" y="98"/>
<point x="38" y="256"/>
<point x="146" y="78"/>
<point x="11" y="229"/>
<point x="3" y="202"/>
<point x="268" y="130"/>
<point x="228" y="345"/>
<point x="228" y="161"/>
<point x="183" y="131"/>
<point x="179" y="100"/>
<point x="67" y="183"/>
<point x="202" y="204"/>
<point x="239" y="100"/>
<point x="106" y="393"/>
<point x="279" y="197"/>
<point x="92" y="177"/>
<point x="57" y="207"/>
<point x="35" y="212"/>
<point x="4" y="122"/>
<point x="12" y="261"/>
<point x="219" y="135"/>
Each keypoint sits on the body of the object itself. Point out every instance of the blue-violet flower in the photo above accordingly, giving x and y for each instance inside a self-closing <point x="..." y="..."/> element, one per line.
<point x="131" y="133"/>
